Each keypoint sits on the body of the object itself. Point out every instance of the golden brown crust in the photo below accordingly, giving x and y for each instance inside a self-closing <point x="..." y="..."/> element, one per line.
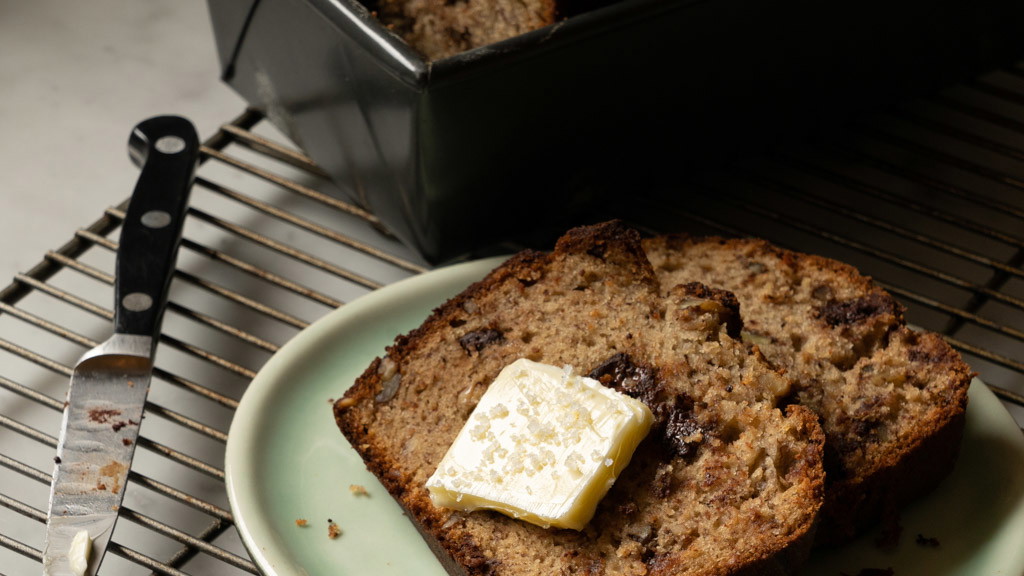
<point x="726" y="484"/>
<point x="892" y="401"/>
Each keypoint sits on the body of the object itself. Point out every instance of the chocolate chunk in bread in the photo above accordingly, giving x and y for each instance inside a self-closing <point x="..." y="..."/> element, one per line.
<point x="727" y="484"/>
<point x="892" y="401"/>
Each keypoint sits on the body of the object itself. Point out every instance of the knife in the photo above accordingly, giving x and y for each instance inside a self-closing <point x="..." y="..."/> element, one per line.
<point x="110" y="382"/>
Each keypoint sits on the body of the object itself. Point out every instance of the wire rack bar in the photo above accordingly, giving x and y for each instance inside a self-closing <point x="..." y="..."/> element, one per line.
<point x="290" y="185"/>
<point x="866" y="248"/>
<point x="871" y="158"/>
<point x="880" y="195"/>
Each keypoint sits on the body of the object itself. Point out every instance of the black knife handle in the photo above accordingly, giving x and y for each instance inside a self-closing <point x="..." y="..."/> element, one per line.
<point x="167" y="149"/>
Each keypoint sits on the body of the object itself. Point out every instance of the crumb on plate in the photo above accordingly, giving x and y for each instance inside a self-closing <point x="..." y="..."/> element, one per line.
<point x="346" y="403"/>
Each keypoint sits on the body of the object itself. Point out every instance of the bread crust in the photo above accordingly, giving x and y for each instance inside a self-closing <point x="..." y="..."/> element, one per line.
<point x="735" y="490"/>
<point x="892" y="401"/>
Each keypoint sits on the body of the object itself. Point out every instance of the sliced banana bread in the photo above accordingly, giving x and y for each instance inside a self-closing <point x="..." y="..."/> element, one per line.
<point x="442" y="28"/>
<point x="891" y="400"/>
<point x="726" y="483"/>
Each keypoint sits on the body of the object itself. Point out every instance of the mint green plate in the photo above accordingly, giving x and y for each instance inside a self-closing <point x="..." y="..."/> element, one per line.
<point x="286" y="460"/>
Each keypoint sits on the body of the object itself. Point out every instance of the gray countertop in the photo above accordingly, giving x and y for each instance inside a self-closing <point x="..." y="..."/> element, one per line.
<point x="75" y="77"/>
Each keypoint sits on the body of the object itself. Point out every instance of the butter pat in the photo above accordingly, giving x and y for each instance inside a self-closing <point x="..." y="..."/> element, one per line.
<point x="543" y="445"/>
<point x="79" y="552"/>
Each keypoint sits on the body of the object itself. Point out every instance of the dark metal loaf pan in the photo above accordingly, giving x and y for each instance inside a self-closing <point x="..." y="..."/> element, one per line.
<point x="512" y="142"/>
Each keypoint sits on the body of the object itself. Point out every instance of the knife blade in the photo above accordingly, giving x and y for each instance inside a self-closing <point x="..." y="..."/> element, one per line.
<point x="109" y="385"/>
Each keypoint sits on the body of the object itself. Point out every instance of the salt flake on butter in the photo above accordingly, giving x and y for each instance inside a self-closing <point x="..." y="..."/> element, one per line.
<point x="543" y="445"/>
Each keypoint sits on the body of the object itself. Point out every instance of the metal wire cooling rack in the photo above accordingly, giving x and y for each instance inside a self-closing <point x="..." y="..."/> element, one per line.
<point x="928" y="198"/>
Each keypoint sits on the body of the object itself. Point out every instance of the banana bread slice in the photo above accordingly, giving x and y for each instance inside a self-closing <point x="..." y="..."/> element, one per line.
<point x="442" y="28"/>
<point x="891" y="400"/>
<point x="726" y="483"/>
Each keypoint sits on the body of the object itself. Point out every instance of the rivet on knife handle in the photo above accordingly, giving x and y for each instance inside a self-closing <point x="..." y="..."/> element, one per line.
<point x="110" y="383"/>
